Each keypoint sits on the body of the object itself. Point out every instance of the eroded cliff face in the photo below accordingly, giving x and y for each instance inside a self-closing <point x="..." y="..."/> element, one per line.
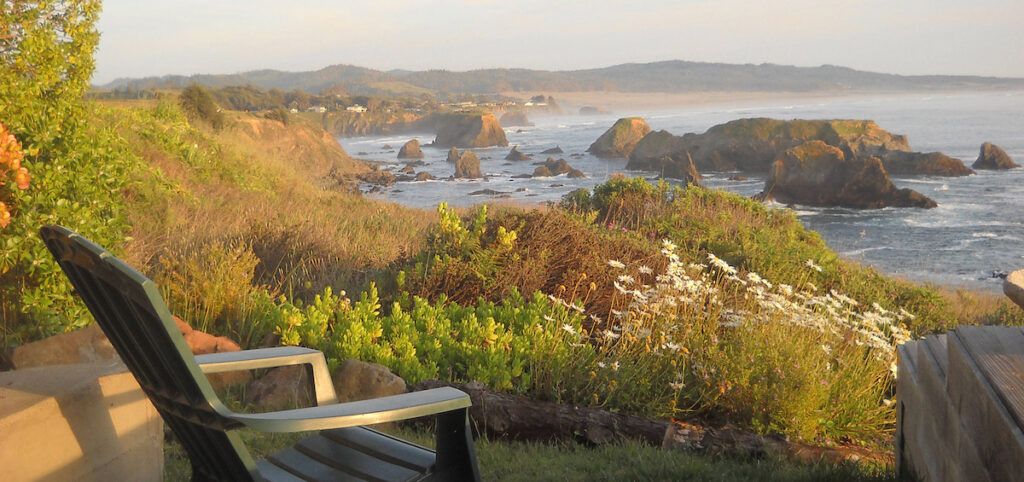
<point x="469" y="130"/>
<point x="753" y="145"/>
<point x="818" y="174"/>
<point x="315" y="150"/>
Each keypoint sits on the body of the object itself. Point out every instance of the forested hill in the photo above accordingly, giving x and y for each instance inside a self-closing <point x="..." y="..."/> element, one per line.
<point x="669" y="76"/>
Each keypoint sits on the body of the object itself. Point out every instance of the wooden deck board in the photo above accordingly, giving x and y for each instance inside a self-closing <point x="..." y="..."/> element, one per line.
<point x="982" y="361"/>
<point x="960" y="405"/>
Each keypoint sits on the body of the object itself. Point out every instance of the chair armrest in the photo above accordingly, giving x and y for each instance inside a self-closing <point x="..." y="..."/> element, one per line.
<point x="274" y="357"/>
<point x="356" y="414"/>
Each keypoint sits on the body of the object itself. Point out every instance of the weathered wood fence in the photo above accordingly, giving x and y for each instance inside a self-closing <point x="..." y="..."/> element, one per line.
<point x="961" y="406"/>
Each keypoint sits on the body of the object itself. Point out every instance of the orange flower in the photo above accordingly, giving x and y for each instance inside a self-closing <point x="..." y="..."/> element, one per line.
<point x="5" y="216"/>
<point x="22" y="178"/>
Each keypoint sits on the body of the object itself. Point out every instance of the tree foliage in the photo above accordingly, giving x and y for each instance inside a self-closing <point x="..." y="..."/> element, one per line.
<point x="78" y="171"/>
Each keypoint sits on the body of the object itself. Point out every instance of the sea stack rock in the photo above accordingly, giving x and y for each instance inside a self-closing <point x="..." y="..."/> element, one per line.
<point x="515" y="118"/>
<point x="753" y="145"/>
<point x="516" y="155"/>
<point x="992" y="157"/>
<point x="453" y="155"/>
<point x="621" y="138"/>
<point x="553" y="150"/>
<point x="410" y="150"/>
<point x="901" y="163"/>
<point x="468" y="166"/>
<point x="819" y="174"/>
<point x="469" y="130"/>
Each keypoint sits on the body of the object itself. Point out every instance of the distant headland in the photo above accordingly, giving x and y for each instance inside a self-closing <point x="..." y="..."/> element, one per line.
<point x="672" y="76"/>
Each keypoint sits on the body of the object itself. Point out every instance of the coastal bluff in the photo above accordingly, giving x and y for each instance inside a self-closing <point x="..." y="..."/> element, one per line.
<point x="753" y="145"/>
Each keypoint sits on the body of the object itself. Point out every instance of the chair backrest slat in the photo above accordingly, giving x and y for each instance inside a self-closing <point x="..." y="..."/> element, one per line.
<point x="134" y="317"/>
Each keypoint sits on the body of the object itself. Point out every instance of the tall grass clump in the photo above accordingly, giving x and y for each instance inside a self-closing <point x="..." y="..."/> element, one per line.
<point x="211" y="287"/>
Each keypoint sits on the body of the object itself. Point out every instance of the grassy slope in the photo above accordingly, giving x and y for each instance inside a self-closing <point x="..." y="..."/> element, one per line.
<point x="258" y="183"/>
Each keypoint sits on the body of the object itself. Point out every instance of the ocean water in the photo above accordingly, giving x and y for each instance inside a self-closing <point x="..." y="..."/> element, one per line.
<point x="976" y="232"/>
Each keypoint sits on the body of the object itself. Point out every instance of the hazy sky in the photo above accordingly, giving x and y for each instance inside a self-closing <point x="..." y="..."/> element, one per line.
<point x="157" y="37"/>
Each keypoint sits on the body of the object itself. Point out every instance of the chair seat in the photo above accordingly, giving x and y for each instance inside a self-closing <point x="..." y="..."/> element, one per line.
<point x="349" y="454"/>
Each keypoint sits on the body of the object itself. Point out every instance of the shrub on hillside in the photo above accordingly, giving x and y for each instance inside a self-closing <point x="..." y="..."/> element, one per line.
<point x="491" y="254"/>
<point x="279" y="114"/>
<point x="198" y="104"/>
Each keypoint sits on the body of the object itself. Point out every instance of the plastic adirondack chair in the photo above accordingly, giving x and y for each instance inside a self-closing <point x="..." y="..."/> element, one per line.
<point x="133" y="315"/>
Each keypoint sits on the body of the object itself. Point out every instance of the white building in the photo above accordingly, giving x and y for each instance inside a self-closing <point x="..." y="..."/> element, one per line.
<point x="356" y="108"/>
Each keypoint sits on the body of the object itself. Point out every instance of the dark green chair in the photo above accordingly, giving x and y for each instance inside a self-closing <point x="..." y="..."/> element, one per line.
<point x="131" y="312"/>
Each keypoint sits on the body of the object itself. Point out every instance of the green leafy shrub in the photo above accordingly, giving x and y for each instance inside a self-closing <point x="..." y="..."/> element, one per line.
<point x="511" y="345"/>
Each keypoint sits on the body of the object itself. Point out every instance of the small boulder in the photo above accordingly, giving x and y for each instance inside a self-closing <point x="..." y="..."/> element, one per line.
<point x="468" y="166"/>
<point x="453" y="155"/>
<point x="423" y="176"/>
<point x="553" y="150"/>
<point x="281" y="388"/>
<point x="408" y="169"/>
<point x="377" y="177"/>
<point x="621" y="138"/>
<point x="411" y="150"/>
<point x="516" y="155"/>
<point x="555" y="167"/>
<point x="993" y="157"/>
<point x="357" y="380"/>
<point x="80" y="346"/>
<point x="89" y="344"/>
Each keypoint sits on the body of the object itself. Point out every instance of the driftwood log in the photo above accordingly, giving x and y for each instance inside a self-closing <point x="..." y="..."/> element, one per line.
<point x="508" y="416"/>
<point x="513" y="417"/>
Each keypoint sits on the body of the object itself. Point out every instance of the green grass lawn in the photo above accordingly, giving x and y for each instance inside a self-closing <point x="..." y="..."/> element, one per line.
<point x="570" y="462"/>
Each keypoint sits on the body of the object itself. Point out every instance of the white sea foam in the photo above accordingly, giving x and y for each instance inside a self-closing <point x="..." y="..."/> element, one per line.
<point x="858" y="252"/>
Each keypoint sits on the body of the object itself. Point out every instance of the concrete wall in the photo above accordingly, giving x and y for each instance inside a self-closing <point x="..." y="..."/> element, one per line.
<point x="85" y="422"/>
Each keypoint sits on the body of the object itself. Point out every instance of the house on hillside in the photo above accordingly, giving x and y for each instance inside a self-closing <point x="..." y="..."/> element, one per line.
<point x="358" y="109"/>
<point x="319" y="109"/>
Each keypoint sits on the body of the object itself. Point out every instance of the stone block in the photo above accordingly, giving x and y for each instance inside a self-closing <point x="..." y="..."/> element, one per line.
<point x="84" y="422"/>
